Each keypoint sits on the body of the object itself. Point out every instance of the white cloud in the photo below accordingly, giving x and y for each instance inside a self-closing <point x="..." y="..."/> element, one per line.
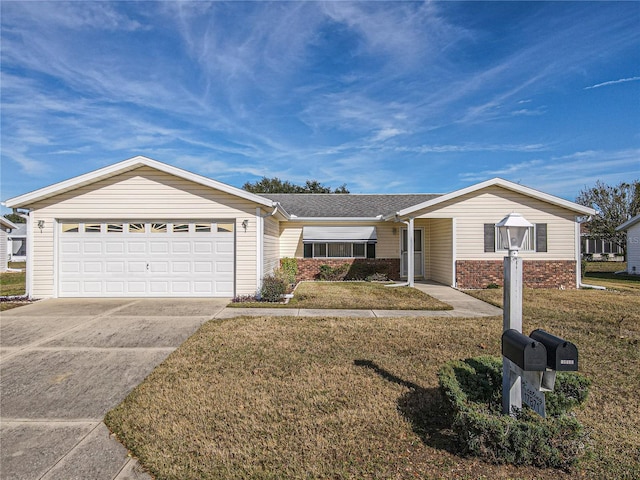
<point x="613" y="82"/>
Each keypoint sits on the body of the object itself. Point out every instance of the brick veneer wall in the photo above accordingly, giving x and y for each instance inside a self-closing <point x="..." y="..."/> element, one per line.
<point x="535" y="273"/>
<point x="308" y="268"/>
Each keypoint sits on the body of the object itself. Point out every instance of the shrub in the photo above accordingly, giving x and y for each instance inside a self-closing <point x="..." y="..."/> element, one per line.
<point x="377" y="277"/>
<point x="289" y="267"/>
<point x="493" y="286"/>
<point x="330" y="273"/>
<point x="361" y="270"/>
<point x="473" y="390"/>
<point x="244" y="299"/>
<point x="273" y="286"/>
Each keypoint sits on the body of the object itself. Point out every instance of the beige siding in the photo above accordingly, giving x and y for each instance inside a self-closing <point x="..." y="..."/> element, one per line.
<point x="440" y="259"/>
<point x="271" y="259"/>
<point x="143" y="193"/>
<point x="388" y="245"/>
<point x="490" y="205"/>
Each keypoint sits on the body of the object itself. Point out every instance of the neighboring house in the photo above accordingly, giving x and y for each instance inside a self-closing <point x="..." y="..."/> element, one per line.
<point x="5" y="228"/>
<point x="632" y="228"/>
<point x="597" y="248"/>
<point x="144" y="228"/>
<point x="17" y="243"/>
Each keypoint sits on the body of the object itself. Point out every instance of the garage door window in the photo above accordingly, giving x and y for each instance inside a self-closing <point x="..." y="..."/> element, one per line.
<point x="70" y="228"/>
<point x="92" y="228"/>
<point x="203" y="227"/>
<point x="158" y="228"/>
<point x="136" y="228"/>
<point x="225" y="227"/>
<point x="115" y="228"/>
<point x="181" y="228"/>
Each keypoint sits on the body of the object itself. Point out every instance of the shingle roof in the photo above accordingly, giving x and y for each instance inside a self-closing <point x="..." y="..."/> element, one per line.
<point x="345" y="205"/>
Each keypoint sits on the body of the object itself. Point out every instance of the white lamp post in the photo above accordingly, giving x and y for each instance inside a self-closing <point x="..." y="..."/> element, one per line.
<point x="513" y="229"/>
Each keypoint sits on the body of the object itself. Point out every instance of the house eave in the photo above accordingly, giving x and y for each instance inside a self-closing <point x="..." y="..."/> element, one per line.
<point x="293" y="218"/>
<point x="629" y="223"/>
<point x="23" y="201"/>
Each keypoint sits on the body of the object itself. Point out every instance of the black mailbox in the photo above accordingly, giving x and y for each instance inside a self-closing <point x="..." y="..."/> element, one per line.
<point x="527" y="353"/>
<point x="561" y="354"/>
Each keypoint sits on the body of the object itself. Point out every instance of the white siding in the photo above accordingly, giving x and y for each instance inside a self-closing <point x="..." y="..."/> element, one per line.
<point x="633" y="249"/>
<point x="3" y="249"/>
<point x="143" y="193"/>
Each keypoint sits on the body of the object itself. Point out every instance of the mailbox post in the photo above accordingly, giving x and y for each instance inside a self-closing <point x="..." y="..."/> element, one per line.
<point x="513" y="231"/>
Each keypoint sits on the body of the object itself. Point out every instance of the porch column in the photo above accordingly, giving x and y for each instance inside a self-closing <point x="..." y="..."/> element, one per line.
<point x="411" y="256"/>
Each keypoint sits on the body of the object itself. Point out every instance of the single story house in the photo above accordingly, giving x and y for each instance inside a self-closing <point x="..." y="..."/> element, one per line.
<point x="144" y="228"/>
<point x="632" y="227"/>
<point x="6" y="227"/>
<point x="17" y="243"/>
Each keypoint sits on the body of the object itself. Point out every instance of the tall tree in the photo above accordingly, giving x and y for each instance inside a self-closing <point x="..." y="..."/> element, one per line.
<point x="275" y="185"/>
<point x="15" y="218"/>
<point x="614" y="205"/>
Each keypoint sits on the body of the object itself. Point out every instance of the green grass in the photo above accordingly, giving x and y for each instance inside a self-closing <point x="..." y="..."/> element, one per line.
<point x="354" y="295"/>
<point x="12" y="284"/>
<point x="268" y="397"/>
<point x="602" y="274"/>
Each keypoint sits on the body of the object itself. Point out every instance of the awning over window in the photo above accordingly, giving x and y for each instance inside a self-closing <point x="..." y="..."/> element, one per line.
<point x="339" y="234"/>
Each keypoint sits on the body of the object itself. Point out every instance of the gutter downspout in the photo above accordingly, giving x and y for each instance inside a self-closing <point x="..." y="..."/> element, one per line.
<point x="579" y="221"/>
<point x="260" y="246"/>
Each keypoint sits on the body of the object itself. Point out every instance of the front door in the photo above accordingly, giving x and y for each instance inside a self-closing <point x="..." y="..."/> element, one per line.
<point x="418" y="262"/>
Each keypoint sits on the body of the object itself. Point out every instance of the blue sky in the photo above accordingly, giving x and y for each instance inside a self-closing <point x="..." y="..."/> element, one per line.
<point x="383" y="96"/>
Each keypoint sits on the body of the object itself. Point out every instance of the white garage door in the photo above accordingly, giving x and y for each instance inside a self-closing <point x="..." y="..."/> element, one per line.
<point x="146" y="259"/>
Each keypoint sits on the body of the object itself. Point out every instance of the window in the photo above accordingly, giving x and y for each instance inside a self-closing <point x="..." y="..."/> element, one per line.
<point x="115" y="228"/>
<point x="339" y="250"/>
<point x="70" y="228"/>
<point x="203" y="227"/>
<point x="92" y="228"/>
<point x="225" y="227"/>
<point x="136" y="228"/>
<point x="158" y="228"/>
<point x="181" y="228"/>
<point x="536" y="240"/>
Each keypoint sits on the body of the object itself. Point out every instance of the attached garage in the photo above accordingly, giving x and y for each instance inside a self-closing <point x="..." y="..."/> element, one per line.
<point x="146" y="258"/>
<point x="142" y="228"/>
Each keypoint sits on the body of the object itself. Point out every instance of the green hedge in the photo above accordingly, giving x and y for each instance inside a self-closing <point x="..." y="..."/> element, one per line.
<point x="473" y="389"/>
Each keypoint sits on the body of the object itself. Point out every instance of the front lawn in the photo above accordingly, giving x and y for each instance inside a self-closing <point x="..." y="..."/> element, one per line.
<point x="269" y="397"/>
<point x="12" y="284"/>
<point x="354" y="295"/>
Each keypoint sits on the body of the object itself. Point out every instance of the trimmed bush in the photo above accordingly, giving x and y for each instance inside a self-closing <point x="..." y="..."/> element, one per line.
<point x="289" y="267"/>
<point x="272" y="287"/>
<point x="473" y="390"/>
<point x="333" y="274"/>
<point x="364" y="270"/>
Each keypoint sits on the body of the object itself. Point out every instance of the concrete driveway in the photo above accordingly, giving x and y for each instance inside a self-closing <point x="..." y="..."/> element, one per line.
<point x="64" y="363"/>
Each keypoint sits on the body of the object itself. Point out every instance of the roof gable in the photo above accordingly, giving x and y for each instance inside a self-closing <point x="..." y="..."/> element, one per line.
<point x="122" y="167"/>
<point x="629" y="223"/>
<point x="500" y="182"/>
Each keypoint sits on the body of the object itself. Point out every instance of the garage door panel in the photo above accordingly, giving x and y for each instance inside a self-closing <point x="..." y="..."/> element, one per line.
<point x="91" y="247"/>
<point x="147" y="263"/>
<point x="136" y="247"/>
<point x="92" y="267"/>
<point x="180" y="247"/>
<point x="159" y="247"/>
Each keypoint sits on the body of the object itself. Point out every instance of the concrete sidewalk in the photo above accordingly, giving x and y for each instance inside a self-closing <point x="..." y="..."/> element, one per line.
<point x="464" y="306"/>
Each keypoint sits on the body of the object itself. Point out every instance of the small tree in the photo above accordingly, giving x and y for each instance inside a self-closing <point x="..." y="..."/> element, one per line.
<point x="614" y="205"/>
